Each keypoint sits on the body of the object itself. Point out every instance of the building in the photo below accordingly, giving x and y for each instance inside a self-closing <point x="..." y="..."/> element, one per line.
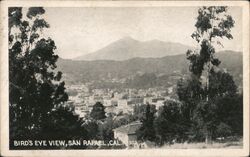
<point x="94" y="99"/>
<point x="110" y="102"/>
<point x="81" y="109"/>
<point x="136" y="100"/>
<point x="122" y="103"/>
<point x="170" y="90"/>
<point x="147" y="100"/>
<point x="159" y="103"/>
<point x="127" y="133"/>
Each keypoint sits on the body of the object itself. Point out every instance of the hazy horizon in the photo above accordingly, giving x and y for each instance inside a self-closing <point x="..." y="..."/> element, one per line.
<point x="80" y="31"/>
<point x="219" y="50"/>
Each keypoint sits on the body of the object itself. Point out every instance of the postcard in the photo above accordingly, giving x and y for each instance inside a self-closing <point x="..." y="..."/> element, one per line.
<point x="124" y="78"/>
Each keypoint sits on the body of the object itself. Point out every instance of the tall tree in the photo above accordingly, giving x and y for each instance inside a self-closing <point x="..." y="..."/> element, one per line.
<point x="98" y="112"/>
<point x="34" y="85"/>
<point x="170" y="123"/>
<point x="190" y="92"/>
<point x="92" y="129"/>
<point x="147" y="131"/>
<point x="106" y="129"/>
<point x="213" y="23"/>
<point x="63" y="124"/>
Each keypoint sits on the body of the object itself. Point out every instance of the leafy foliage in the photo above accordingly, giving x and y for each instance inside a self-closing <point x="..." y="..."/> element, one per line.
<point x="170" y="123"/>
<point x="64" y="123"/>
<point x="147" y="131"/>
<point x="213" y="22"/>
<point x="106" y="130"/>
<point x="221" y="84"/>
<point x="36" y="93"/>
<point x="92" y="129"/>
<point x="98" y="112"/>
<point x="206" y="93"/>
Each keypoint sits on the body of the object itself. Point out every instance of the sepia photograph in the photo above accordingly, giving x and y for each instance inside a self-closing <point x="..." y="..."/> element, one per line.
<point x="125" y="76"/>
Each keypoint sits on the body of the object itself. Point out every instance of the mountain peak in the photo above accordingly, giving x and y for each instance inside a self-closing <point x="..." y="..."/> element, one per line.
<point x="127" y="48"/>
<point x="155" y="41"/>
<point x="127" y="38"/>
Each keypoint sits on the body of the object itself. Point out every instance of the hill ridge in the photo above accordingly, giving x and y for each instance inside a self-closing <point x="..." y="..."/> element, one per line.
<point x="128" y="47"/>
<point x="103" y="70"/>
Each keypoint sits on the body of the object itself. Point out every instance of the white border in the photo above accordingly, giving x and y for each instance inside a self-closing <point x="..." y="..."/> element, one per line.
<point x="144" y="153"/>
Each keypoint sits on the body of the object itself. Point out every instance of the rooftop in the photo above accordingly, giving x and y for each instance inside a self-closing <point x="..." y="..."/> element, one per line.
<point x="130" y="128"/>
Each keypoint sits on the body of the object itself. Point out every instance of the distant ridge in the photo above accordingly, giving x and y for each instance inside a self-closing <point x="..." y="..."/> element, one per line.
<point x="127" y="48"/>
<point x="85" y="71"/>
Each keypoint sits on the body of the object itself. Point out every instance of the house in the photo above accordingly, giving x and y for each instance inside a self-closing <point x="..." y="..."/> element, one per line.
<point x="107" y="102"/>
<point x="147" y="100"/>
<point x="122" y="103"/>
<point x="159" y="103"/>
<point x="81" y="109"/>
<point x="127" y="133"/>
<point x="93" y="99"/>
<point x="110" y="102"/>
<point x="135" y="100"/>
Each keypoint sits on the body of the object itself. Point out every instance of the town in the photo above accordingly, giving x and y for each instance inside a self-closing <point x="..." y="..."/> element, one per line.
<point x="116" y="101"/>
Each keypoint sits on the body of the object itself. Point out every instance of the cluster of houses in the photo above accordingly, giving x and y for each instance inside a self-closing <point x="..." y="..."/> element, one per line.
<point x="115" y="101"/>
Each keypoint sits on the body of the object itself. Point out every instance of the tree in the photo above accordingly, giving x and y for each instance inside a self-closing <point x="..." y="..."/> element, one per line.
<point x="92" y="129"/>
<point x="212" y="24"/>
<point x="106" y="129"/>
<point x="35" y="87"/>
<point x="221" y="84"/>
<point x="63" y="124"/>
<point x="147" y="131"/>
<point x="139" y="111"/>
<point x="190" y="92"/>
<point x="230" y="114"/>
<point x="170" y="123"/>
<point x="210" y="83"/>
<point x="98" y="112"/>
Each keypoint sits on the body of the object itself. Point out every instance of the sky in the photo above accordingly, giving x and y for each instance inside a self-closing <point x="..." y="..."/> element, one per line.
<point x="78" y="31"/>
